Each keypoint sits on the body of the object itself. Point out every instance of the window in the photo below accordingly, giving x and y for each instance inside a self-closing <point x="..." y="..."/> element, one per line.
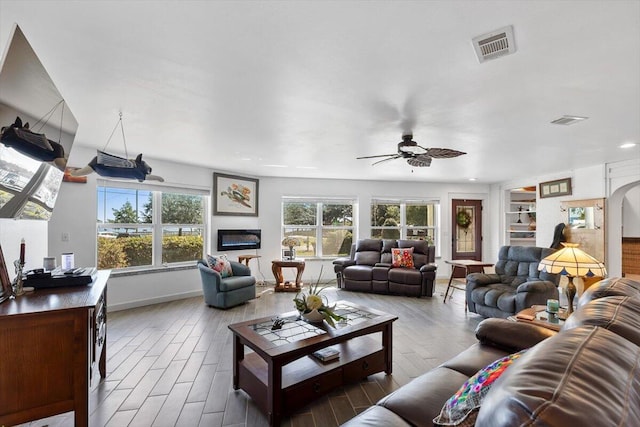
<point x="149" y="227"/>
<point x="323" y="228"/>
<point x="405" y="219"/>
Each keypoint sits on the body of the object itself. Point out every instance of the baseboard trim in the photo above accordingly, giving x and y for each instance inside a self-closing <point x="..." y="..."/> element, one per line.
<point x="152" y="301"/>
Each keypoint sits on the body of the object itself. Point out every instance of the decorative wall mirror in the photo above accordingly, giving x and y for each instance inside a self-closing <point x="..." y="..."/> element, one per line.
<point x="585" y="220"/>
<point x="581" y="217"/>
<point x="29" y="185"/>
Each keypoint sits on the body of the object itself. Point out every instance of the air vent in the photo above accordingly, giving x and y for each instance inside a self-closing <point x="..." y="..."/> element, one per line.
<point x="568" y="120"/>
<point x="495" y="44"/>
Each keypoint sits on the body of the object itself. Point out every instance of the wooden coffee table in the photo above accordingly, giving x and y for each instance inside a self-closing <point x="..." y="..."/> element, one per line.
<point x="282" y="376"/>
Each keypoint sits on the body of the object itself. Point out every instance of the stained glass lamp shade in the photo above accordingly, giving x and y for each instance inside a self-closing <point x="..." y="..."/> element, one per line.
<point x="572" y="262"/>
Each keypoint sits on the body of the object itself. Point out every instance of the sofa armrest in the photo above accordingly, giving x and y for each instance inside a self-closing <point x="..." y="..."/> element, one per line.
<point x="475" y="280"/>
<point x="536" y="286"/>
<point x="344" y="262"/>
<point x="428" y="267"/>
<point x="209" y="276"/>
<point x="240" y="269"/>
<point x="509" y="335"/>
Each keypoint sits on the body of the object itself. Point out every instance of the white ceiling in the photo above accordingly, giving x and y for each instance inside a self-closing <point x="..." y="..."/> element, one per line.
<point x="311" y="85"/>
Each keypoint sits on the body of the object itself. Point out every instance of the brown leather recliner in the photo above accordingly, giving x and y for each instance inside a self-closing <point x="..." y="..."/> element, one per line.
<point x="588" y="374"/>
<point x="369" y="268"/>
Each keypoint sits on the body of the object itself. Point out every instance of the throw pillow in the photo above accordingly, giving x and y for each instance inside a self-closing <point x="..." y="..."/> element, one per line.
<point x="220" y="264"/>
<point x="461" y="409"/>
<point x="402" y="257"/>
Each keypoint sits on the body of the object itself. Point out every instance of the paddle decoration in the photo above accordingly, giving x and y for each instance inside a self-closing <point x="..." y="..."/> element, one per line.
<point x="35" y="145"/>
<point x="112" y="166"/>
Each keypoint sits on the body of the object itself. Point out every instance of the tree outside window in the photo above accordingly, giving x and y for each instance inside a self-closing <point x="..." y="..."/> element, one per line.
<point x="323" y="228"/>
<point x="131" y="235"/>
<point x="411" y="220"/>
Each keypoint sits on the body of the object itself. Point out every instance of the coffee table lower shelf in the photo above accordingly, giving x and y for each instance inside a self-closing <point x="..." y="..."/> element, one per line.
<point x="307" y="378"/>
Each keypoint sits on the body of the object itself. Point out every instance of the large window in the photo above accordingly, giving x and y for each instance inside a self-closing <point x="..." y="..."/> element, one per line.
<point x="149" y="227"/>
<point x="405" y="219"/>
<point x="323" y="228"/>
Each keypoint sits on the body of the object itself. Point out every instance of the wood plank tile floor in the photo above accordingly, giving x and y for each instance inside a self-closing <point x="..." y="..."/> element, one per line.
<point x="170" y="364"/>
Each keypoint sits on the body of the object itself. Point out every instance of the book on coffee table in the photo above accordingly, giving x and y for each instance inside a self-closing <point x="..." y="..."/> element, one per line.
<point x="326" y="354"/>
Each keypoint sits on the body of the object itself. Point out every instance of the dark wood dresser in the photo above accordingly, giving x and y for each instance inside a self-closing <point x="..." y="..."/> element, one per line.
<point x="51" y="342"/>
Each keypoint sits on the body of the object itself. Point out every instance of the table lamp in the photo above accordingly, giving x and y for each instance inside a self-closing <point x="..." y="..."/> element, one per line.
<point x="572" y="262"/>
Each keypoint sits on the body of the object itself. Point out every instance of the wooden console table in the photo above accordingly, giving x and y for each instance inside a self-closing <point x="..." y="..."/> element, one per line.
<point x="51" y="342"/>
<point x="276" y="268"/>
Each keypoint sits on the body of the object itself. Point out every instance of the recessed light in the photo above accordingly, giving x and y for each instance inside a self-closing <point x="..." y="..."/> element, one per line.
<point x="472" y="179"/>
<point x="628" y="145"/>
<point x="275" y="166"/>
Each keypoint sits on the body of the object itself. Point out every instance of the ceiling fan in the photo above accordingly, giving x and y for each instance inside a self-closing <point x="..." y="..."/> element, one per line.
<point x="416" y="155"/>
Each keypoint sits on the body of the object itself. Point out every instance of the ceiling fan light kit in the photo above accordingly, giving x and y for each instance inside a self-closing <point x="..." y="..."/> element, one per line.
<point x="415" y="154"/>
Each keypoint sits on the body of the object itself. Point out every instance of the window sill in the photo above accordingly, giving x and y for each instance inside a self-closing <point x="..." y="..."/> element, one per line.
<point x="150" y="270"/>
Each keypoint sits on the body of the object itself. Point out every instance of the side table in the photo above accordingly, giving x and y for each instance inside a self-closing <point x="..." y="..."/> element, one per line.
<point x="276" y="268"/>
<point x="246" y="258"/>
<point x="467" y="266"/>
<point x="538" y="315"/>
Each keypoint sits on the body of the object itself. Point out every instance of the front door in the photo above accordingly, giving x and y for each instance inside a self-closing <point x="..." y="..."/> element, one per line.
<point x="466" y="240"/>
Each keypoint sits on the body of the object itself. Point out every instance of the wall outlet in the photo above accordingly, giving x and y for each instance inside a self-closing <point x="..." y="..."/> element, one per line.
<point x="65" y="237"/>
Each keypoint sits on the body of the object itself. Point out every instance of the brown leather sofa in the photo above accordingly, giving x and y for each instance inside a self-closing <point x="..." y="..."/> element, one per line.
<point x="369" y="268"/>
<point x="588" y="374"/>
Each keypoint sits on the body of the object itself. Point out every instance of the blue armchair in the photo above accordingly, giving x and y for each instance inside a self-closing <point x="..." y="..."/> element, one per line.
<point x="230" y="291"/>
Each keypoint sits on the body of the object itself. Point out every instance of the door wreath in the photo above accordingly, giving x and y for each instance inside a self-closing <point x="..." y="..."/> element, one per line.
<point x="463" y="219"/>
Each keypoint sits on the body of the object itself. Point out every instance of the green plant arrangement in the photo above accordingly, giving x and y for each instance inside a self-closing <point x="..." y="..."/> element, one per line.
<point x="315" y="307"/>
<point x="463" y="219"/>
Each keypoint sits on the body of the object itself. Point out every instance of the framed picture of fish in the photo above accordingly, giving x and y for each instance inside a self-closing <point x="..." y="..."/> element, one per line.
<point x="235" y="195"/>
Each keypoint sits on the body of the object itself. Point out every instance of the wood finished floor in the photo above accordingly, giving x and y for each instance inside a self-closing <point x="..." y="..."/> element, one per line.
<point x="170" y="364"/>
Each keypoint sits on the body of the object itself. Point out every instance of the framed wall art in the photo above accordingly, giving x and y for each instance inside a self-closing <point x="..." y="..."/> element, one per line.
<point x="559" y="187"/>
<point x="235" y="195"/>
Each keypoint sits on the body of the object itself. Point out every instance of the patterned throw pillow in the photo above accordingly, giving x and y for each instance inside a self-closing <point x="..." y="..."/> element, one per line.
<point x="221" y="264"/>
<point x="462" y="408"/>
<point x="402" y="257"/>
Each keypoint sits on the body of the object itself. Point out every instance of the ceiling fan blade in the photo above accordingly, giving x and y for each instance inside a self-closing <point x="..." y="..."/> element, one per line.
<point x="384" y="160"/>
<point x="379" y="155"/>
<point x="443" y="153"/>
<point x="420" y="161"/>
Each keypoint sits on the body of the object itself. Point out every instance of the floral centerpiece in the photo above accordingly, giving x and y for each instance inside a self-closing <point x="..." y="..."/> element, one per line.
<point x="290" y="242"/>
<point x="314" y="307"/>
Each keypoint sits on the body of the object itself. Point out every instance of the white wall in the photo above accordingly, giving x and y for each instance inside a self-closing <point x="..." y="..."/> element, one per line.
<point x="273" y="189"/>
<point x="34" y="234"/>
<point x="586" y="183"/>
<point x="75" y="214"/>
<point x="631" y="213"/>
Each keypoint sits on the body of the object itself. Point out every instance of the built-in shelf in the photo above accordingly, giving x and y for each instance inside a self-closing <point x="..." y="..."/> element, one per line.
<point x="520" y="217"/>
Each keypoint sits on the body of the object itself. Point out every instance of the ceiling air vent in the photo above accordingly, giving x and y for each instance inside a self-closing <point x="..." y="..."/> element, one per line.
<point x="495" y="44"/>
<point x="568" y="120"/>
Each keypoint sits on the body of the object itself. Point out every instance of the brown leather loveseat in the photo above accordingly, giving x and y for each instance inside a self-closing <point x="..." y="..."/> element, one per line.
<point x="588" y="374"/>
<point x="369" y="268"/>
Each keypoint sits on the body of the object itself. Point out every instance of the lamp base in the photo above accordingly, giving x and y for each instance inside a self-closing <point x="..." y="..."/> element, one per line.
<point x="570" y="292"/>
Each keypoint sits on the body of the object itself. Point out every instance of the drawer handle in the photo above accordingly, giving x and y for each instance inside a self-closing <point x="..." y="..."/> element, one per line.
<point x="316" y="387"/>
<point x="365" y="365"/>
